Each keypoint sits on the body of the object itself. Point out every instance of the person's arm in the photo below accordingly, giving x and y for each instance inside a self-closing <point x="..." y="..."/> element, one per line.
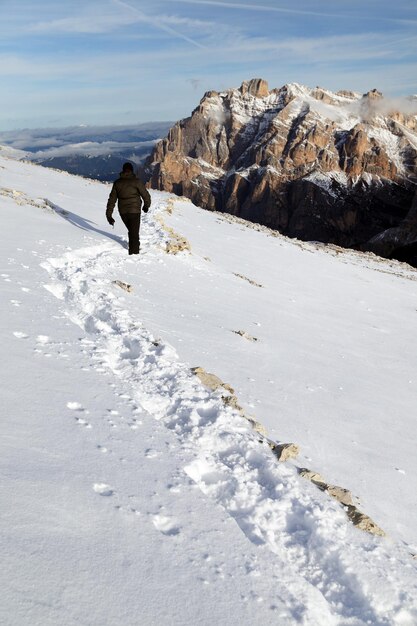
<point x="111" y="203"/>
<point x="145" y="196"/>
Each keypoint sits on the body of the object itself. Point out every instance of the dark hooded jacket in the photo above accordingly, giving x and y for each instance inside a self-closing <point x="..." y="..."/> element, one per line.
<point x="129" y="192"/>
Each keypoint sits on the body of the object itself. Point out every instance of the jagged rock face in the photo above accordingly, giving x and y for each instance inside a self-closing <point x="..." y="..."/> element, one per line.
<point x="334" y="167"/>
<point x="398" y="242"/>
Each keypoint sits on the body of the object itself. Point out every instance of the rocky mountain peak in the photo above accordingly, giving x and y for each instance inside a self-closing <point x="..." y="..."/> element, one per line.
<point x="374" y="94"/>
<point x="346" y="93"/>
<point x="309" y="162"/>
<point x="256" y="87"/>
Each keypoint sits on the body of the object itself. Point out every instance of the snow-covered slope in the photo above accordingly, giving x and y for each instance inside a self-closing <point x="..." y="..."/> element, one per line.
<point x="132" y="493"/>
<point x="12" y="153"/>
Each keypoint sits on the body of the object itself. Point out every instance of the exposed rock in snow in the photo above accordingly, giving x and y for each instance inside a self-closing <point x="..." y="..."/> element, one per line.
<point x="211" y="381"/>
<point x="123" y="285"/>
<point x="245" y="335"/>
<point x="286" y="451"/>
<point x="364" y="522"/>
<point x="249" y="280"/>
<point x="175" y="242"/>
<point x="344" y="496"/>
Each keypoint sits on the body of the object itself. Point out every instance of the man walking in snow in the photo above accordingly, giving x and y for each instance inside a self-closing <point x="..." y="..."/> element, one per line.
<point x="129" y="192"/>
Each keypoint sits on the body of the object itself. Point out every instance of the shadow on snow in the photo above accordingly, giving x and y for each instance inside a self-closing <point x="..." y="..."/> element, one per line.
<point x="80" y="222"/>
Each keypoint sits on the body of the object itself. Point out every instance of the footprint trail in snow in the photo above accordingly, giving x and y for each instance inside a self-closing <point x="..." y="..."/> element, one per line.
<point x="307" y="532"/>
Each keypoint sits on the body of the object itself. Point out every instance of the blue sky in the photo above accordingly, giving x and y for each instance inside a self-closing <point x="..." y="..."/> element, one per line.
<point x="127" y="61"/>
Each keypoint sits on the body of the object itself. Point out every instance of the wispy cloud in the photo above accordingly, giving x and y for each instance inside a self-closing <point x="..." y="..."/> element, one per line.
<point x="238" y="49"/>
<point x="291" y="11"/>
<point x="257" y="7"/>
<point x="82" y="24"/>
<point x="46" y="143"/>
<point x="346" y="48"/>
<point x="91" y="148"/>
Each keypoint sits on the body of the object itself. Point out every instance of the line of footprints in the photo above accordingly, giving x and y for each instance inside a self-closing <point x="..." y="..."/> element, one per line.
<point x="163" y="523"/>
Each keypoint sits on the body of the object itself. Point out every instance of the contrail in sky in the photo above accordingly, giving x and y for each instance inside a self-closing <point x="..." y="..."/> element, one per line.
<point x="263" y="7"/>
<point x="155" y="22"/>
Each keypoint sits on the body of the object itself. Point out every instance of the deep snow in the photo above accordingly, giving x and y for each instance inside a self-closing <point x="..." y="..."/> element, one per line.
<point x="130" y="493"/>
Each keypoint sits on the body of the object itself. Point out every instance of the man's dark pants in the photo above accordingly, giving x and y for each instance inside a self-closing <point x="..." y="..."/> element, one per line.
<point x="132" y="223"/>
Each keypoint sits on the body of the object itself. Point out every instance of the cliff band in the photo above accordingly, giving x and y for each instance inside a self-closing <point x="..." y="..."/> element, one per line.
<point x="332" y="167"/>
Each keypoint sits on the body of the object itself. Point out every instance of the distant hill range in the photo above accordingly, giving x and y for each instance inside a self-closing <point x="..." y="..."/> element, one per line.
<point x="92" y="151"/>
<point x="332" y="167"/>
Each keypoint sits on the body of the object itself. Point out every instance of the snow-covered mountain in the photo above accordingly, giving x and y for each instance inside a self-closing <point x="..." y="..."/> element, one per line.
<point x="138" y="489"/>
<point x="333" y="167"/>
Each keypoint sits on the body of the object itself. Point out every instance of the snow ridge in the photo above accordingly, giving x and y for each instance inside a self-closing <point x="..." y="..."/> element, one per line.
<point x="338" y="569"/>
